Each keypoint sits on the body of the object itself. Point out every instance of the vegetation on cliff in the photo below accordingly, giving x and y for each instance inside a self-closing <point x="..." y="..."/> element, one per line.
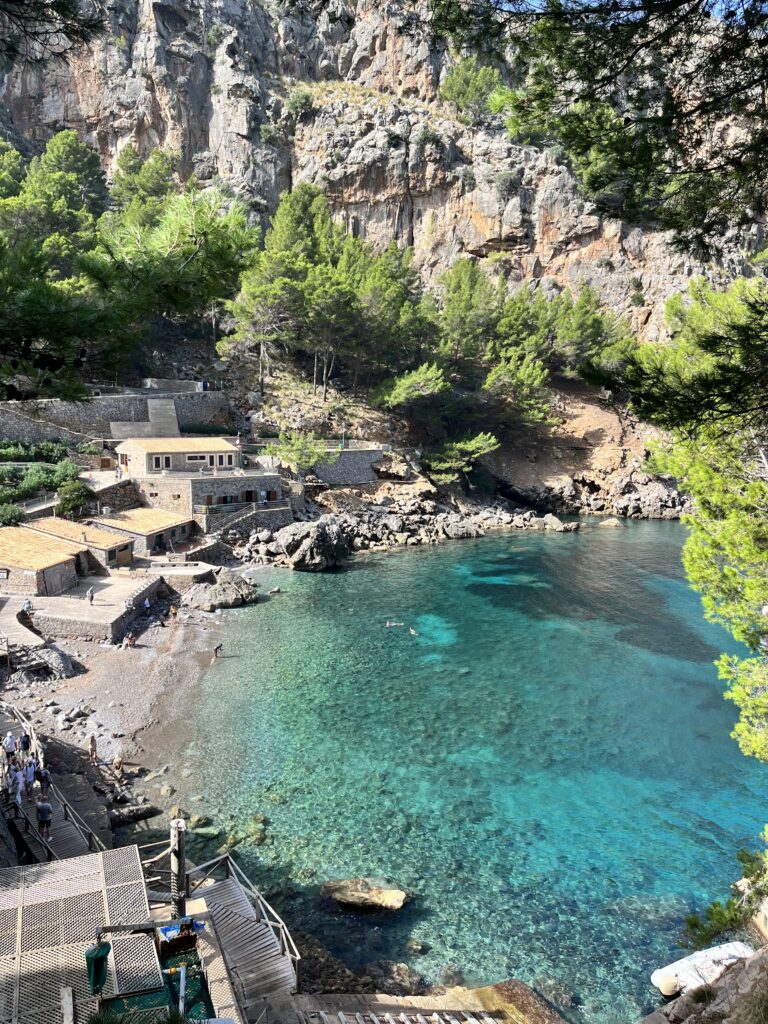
<point x="660" y="108"/>
<point x="83" y="274"/>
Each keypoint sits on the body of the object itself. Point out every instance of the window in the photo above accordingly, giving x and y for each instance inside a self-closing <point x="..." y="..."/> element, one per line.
<point x="173" y="532"/>
<point x="156" y="462"/>
<point x="196" y="458"/>
<point x="111" y="555"/>
<point x="4" y="574"/>
<point x="221" y="460"/>
<point x="153" y="494"/>
<point x="176" y="497"/>
<point x="229" y="460"/>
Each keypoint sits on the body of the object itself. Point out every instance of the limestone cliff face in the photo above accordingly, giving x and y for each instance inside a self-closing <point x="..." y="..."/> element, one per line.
<point x="204" y="77"/>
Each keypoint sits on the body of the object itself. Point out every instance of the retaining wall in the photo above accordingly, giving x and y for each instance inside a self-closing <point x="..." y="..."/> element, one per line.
<point x="50" y="419"/>
<point x="352" y="466"/>
<point x="52" y="625"/>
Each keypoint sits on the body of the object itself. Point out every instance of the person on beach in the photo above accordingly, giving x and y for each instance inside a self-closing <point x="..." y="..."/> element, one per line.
<point x="174" y="612"/>
<point x="92" y="749"/>
<point x="89" y="595"/>
<point x="25" y="745"/>
<point x="147" y="605"/>
<point x="217" y="650"/>
<point x="9" y="746"/>
<point x="26" y="606"/>
<point x="30" y="773"/>
<point x="45" y="779"/>
<point x="44" y="813"/>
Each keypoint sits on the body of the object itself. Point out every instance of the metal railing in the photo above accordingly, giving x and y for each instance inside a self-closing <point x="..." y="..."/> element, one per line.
<point x="70" y="814"/>
<point x="239" y="506"/>
<point x="264" y="912"/>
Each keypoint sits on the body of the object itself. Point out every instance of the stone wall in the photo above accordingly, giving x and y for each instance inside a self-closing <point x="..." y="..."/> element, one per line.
<point x="178" y="494"/>
<point x="52" y="625"/>
<point x="50" y="419"/>
<point x="120" y="496"/>
<point x="352" y="466"/>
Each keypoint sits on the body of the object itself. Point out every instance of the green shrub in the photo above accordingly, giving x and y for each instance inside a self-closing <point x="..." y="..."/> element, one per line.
<point x="718" y="919"/>
<point x="73" y="497"/>
<point x="270" y="134"/>
<point x="10" y="515"/>
<point x="299" y="104"/>
<point x="468" y="85"/>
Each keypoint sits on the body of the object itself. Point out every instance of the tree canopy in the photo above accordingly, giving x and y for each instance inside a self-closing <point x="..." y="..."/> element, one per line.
<point x="660" y="107"/>
<point x="38" y="30"/>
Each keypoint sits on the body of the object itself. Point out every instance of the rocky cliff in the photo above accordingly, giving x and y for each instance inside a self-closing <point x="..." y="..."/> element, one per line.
<point x="210" y="79"/>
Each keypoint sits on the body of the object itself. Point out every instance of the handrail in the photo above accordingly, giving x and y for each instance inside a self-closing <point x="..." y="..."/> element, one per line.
<point x="86" y="832"/>
<point x="238" y="506"/>
<point x="268" y="913"/>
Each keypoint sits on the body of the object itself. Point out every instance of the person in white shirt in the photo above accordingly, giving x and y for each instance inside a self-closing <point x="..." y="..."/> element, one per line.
<point x="9" y="746"/>
<point x="30" y="770"/>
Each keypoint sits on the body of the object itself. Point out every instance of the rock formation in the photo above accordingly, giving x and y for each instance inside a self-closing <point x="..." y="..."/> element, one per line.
<point x="210" y="79"/>
<point x="362" y="894"/>
<point x="229" y="590"/>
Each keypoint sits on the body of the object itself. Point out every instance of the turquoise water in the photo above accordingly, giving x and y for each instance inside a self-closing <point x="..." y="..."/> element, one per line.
<point x="547" y="765"/>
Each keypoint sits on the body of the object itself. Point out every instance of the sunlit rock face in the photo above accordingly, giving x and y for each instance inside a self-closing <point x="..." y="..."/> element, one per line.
<point x="210" y="80"/>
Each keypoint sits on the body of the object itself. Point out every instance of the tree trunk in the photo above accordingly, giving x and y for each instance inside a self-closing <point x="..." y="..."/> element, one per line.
<point x="261" y="369"/>
<point x="314" y="377"/>
<point x="325" y="376"/>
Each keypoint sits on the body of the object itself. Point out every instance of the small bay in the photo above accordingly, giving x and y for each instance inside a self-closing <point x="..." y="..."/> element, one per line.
<point x="546" y="765"/>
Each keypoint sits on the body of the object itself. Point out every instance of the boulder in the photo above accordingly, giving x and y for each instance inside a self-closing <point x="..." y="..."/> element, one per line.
<point x="612" y="521"/>
<point x="363" y="894"/>
<point x="313" y="546"/>
<point x="229" y="590"/>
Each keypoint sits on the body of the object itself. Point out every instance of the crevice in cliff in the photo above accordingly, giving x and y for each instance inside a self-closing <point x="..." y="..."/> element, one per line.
<point x="407" y="194"/>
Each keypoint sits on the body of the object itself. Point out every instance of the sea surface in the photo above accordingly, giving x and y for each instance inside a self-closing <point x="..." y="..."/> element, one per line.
<point x="546" y="766"/>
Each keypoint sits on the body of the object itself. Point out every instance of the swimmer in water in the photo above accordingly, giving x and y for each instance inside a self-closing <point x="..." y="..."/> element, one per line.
<point x="394" y="623"/>
<point x="412" y="631"/>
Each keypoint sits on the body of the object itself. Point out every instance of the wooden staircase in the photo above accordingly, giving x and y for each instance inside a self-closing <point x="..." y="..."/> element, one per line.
<point x="251" y="948"/>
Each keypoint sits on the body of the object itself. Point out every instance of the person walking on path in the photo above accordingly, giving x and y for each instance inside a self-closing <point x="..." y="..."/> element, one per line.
<point x="89" y="595"/>
<point x="17" y="783"/>
<point x="30" y="771"/>
<point x="147" y="605"/>
<point x="10" y="781"/>
<point x="45" y="779"/>
<point x="217" y="650"/>
<point x="9" y="746"/>
<point x="44" y="813"/>
<point x="92" y="749"/>
<point x="25" y="745"/>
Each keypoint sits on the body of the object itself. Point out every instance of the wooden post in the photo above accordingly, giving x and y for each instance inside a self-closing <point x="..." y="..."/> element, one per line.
<point x="67" y="1006"/>
<point x="178" y="867"/>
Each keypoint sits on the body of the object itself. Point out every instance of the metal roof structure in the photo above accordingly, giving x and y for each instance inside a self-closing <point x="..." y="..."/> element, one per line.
<point x="142" y="521"/>
<point x="49" y="914"/>
<point x="66" y="529"/>
<point x="25" y="549"/>
<point x="169" y="445"/>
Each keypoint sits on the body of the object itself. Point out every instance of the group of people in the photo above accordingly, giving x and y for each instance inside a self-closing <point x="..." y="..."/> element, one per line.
<point x="22" y="770"/>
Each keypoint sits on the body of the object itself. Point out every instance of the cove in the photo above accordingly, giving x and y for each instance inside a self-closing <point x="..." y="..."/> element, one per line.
<point x="547" y="765"/>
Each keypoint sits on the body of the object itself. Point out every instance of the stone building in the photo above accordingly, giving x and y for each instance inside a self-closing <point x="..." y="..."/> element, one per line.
<point x="152" y="530"/>
<point x="108" y="550"/>
<point x="37" y="565"/>
<point x="140" y="456"/>
<point x="198" y="477"/>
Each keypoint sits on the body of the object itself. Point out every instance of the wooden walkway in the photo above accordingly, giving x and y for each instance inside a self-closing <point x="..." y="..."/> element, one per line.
<point x="251" y="948"/>
<point x="70" y="836"/>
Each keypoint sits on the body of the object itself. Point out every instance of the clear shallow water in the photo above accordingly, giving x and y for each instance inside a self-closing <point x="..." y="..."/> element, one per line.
<point x="547" y="765"/>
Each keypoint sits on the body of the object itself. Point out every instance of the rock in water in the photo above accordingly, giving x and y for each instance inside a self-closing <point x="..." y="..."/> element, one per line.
<point x="315" y="546"/>
<point x="612" y="521"/>
<point x="361" y="894"/>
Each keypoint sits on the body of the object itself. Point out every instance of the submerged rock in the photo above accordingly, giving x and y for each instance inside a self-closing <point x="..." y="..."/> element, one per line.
<point x="361" y="894"/>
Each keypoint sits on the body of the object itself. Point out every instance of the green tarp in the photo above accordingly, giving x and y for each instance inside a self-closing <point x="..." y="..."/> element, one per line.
<point x="96" y="961"/>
